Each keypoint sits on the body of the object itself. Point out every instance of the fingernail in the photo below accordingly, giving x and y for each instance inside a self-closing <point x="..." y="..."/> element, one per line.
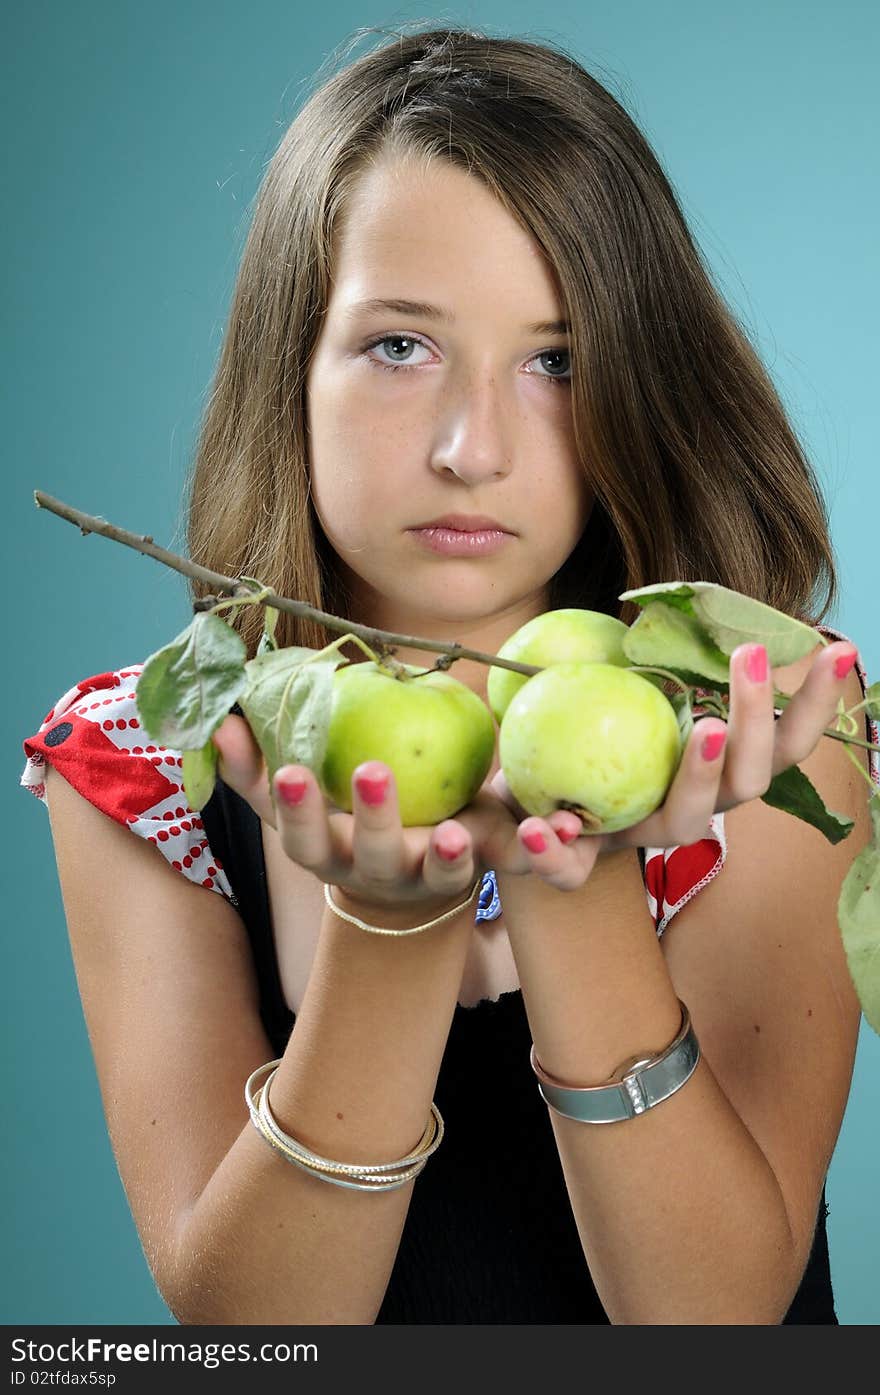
<point x="566" y="835"/>
<point x="756" y="663"/>
<point x="713" y="745"/>
<point x="535" y="842"/>
<point x="372" y="790"/>
<point x="844" y="664"/>
<point x="448" y="852"/>
<point x="291" y="789"/>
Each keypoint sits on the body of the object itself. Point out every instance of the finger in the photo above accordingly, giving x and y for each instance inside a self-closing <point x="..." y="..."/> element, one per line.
<point x="302" y="822"/>
<point x="378" y="848"/>
<point x="564" y="867"/>
<point x="448" y="865"/>
<point x="751" y="730"/>
<point x="566" y="825"/>
<point x="492" y="832"/>
<point x="241" y="766"/>
<point x="692" y="798"/>
<point x="813" y="707"/>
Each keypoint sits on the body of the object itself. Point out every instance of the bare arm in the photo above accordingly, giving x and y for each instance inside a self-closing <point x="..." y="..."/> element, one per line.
<point x="268" y="1243"/>
<point x="233" y="1232"/>
<point x="702" y="1210"/>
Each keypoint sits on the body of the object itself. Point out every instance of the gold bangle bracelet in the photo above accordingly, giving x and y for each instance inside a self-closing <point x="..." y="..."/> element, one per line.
<point x="267" y="1125"/>
<point x="384" y="930"/>
<point x="373" y="1184"/>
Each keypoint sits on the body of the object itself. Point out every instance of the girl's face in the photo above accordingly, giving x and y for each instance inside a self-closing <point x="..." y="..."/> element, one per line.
<point x="475" y="420"/>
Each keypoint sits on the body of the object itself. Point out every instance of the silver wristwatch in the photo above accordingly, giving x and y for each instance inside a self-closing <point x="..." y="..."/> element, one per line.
<point x="646" y="1082"/>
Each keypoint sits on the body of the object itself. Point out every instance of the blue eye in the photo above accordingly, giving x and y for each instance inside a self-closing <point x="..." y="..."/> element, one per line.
<point x="555" y="353"/>
<point x="411" y="339"/>
<point x="393" y="339"/>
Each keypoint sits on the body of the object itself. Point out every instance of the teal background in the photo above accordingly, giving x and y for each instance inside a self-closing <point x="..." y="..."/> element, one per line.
<point x="136" y="138"/>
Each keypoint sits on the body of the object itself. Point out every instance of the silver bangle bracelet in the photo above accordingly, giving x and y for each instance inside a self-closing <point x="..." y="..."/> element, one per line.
<point x="645" y="1083"/>
<point x="371" y="1184"/>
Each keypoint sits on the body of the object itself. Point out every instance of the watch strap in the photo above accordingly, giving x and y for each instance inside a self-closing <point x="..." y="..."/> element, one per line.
<point x="644" y="1084"/>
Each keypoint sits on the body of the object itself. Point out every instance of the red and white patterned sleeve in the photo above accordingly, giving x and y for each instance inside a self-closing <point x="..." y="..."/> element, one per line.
<point x="674" y="875"/>
<point x="92" y="736"/>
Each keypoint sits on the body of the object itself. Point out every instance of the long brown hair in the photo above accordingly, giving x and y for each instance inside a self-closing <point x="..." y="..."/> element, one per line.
<point x="696" y="470"/>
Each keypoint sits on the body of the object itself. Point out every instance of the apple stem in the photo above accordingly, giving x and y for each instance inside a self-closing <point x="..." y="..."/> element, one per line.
<point x="380" y="656"/>
<point x="663" y="672"/>
<point x="344" y="639"/>
<point x="232" y="602"/>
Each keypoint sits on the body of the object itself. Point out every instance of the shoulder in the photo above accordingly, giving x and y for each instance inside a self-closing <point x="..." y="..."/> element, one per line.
<point x="93" y="736"/>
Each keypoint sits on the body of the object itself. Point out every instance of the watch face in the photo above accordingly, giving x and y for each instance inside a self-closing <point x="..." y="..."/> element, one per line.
<point x="634" y="1063"/>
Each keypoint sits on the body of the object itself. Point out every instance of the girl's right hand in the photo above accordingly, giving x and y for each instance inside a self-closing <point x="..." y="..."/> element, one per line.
<point x="368" y="853"/>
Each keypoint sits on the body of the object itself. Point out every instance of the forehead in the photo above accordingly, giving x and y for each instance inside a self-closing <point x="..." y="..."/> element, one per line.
<point x="435" y="240"/>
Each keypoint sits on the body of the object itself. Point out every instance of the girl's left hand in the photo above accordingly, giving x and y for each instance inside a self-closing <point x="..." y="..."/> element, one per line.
<point x="757" y="747"/>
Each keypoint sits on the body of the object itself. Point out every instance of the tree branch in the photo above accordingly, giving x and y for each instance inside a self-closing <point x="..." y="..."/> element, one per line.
<point x="234" y="586"/>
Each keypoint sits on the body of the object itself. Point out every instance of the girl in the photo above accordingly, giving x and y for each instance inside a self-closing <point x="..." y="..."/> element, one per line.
<point x="476" y="370"/>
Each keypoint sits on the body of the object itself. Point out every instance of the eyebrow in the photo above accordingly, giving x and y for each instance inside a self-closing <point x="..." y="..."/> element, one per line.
<point x="423" y="310"/>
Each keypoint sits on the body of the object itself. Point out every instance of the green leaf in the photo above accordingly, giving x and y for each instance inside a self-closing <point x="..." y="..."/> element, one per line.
<point x="673" y="593"/>
<point x="188" y="687"/>
<point x="794" y="792"/>
<point x="858" y="913"/>
<point x="732" y="619"/>
<point x="200" y="774"/>
<point x="666" y="637"/>
<point x="288" y="703"/>
<point x="728" y="618"/>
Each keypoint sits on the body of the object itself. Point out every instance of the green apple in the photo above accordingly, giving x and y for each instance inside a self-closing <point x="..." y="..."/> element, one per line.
<point x="434" y="732"/>
<point x="557" y="636"/>
<point x="591" y="737"/>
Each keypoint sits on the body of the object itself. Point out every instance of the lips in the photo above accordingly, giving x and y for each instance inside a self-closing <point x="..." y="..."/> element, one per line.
<point x="465" y="523"/>
<point x="457" y="542"/>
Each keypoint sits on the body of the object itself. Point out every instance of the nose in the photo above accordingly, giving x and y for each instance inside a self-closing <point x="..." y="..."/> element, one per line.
<point x="472" y="439"/>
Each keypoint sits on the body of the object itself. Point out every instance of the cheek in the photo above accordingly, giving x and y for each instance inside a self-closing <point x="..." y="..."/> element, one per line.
<point x="335" y="503"/>
<point x="559" y="478"/>
<point x="361" y="472"/>
<point x="352" y="497"/>
<point x="334" y="447"/>
<point x="583" y="494"/>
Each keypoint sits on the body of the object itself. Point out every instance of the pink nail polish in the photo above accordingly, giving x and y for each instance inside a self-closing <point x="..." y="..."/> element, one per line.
<point x="713" y="745"/>
<point x="756" y="664"/>
<point x="292" y="791"/>
<point x="535" y="842"/>
<point x="845" y="663"/>
<point x="373" y="791"/>
<point x="448" y="853"/>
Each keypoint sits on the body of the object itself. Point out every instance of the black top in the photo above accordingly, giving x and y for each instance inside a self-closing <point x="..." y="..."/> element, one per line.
<point x="489" y="1235"/>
